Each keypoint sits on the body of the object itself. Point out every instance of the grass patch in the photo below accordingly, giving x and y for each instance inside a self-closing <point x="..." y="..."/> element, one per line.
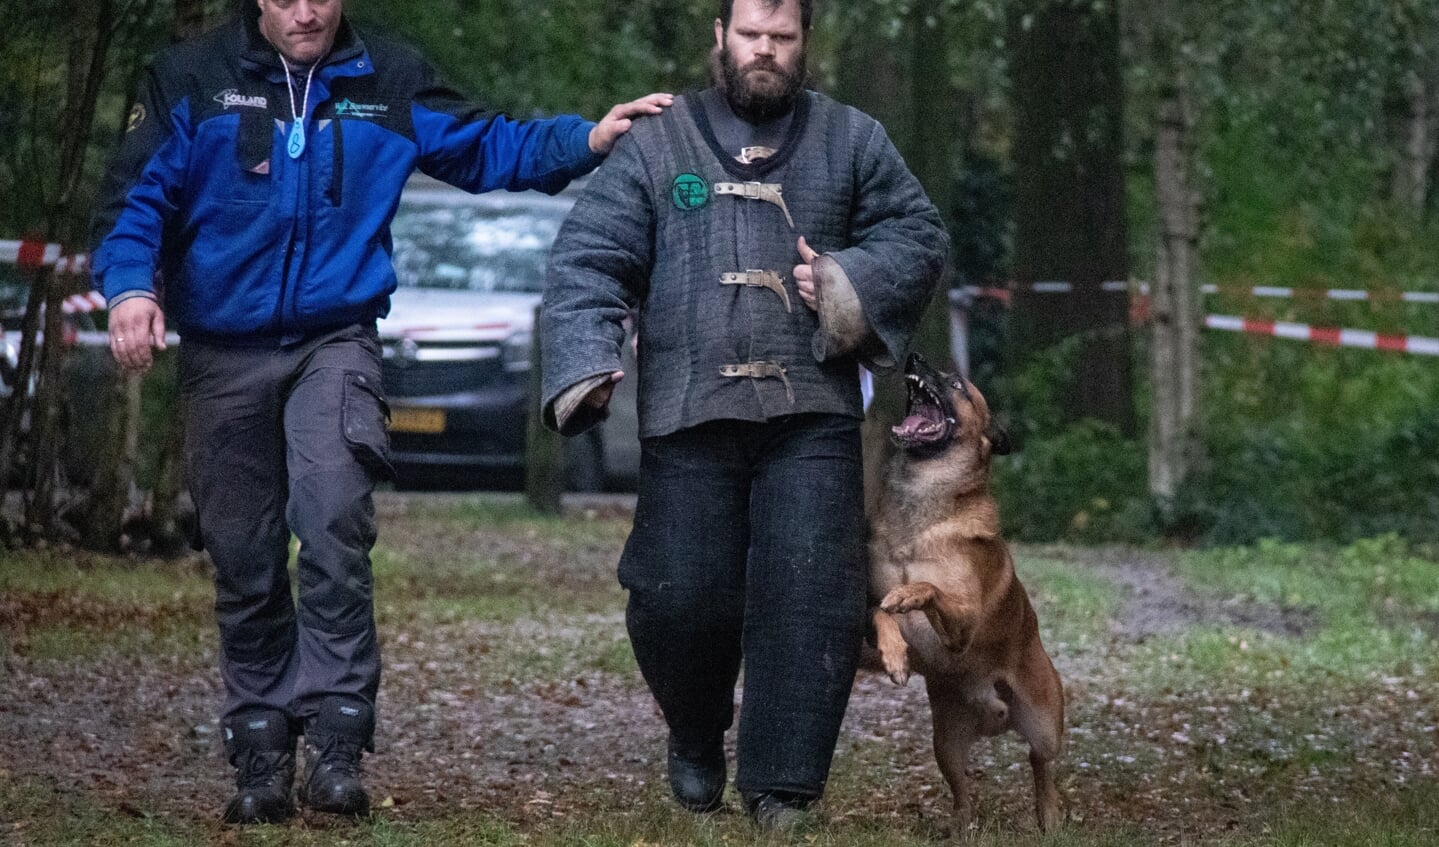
<point x="60" y="643"/>
<point x="35" y="811"/>
<point x="1405" y="817"/>
<point x="1074" y="606"/>
<point x="39" y="812"/>
<point x="1380" y="580"/>
<point x="76" y="606"/>
<point x="116" y="580"/>
<point x="1374" y="607"/>
<point x="493" y="515"/>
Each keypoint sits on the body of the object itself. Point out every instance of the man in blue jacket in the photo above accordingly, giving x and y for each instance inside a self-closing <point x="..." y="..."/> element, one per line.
<point x="260" y="169"/>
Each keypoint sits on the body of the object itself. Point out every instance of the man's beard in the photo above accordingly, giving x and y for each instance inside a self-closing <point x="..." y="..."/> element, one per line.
<point x="760" y="101"/>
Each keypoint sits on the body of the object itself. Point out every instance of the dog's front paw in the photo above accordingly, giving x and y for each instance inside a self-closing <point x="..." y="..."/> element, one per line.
<point x="896" y="664"/>
<point x="912" y="597"/>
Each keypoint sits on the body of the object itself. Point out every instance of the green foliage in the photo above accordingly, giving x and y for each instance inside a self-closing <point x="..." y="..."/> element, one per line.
<point x="1294" y="147"/>
<point x="1297" y="104"/>
<point x="558" y="55"/>
<point x="1083" y="485"/>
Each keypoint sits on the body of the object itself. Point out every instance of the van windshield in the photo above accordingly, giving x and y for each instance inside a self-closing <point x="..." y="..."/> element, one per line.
<point x="474" y="247"/>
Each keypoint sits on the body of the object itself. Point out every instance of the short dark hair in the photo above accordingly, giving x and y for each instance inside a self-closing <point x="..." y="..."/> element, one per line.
<point x="806" y="11"/>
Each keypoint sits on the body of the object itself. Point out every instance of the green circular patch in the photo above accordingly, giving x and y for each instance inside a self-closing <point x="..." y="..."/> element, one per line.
<point x="690" y="192"/>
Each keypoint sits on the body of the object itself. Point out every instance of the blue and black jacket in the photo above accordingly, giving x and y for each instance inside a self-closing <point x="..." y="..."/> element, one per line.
<point x="256" y="247"/>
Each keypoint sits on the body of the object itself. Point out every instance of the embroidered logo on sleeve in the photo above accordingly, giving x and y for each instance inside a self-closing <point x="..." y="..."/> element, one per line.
<point x="137" y="117"/>
<point x="231" y="97"/>
<point x="690" y="192"/>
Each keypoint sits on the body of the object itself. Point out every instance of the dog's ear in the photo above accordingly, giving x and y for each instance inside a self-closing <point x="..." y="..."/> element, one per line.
<point x="998" y="440"/>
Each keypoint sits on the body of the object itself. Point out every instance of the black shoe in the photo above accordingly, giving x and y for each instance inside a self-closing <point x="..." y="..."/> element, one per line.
<point x="335" y="739"/>
<point x="779" y="811"/>
<point x="697" y="774"/>
<point x="262" y="750"/>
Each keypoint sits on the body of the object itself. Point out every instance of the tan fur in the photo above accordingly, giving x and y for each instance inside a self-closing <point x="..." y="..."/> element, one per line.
<point x="953" y="611"/>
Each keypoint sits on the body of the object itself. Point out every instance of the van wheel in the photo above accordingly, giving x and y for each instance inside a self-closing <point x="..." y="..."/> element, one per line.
<point x="585" y="463"/>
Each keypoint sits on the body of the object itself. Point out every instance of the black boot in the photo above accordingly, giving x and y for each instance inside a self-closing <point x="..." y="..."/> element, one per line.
<point x="697" y="774"/>
<point x="262" y="749"/>
<point x="335" y="739"/>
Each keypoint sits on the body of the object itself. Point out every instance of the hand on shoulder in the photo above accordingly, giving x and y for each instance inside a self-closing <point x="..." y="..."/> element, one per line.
<point x="619" y="119"/>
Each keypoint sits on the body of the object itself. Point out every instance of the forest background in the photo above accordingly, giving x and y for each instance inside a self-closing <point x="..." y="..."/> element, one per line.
<point x="1232" y="142"/>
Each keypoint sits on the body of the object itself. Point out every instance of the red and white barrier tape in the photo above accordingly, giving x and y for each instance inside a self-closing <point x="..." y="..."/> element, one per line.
<point x="1349" y="294"/>
<point x="28" y="254"/>
<point x="90" y="301"/>
<point x="1333" y="336"/>
<point x="1428" y="297"/>
<point x="34" y="254"/>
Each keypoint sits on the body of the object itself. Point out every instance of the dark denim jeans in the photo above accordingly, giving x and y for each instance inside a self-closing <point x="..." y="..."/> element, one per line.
<point x="281" y="440"/>
<point x="749" y="543"/>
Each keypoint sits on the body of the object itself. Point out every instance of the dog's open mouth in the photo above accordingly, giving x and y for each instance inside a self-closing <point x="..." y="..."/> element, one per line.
<point x="928" y="417"/>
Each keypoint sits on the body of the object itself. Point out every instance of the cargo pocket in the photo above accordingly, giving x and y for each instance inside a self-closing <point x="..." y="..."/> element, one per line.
<point x="365" y="416"/>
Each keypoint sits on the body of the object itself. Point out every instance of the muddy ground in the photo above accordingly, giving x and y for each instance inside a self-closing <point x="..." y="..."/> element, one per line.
<point x="138" y="733"/>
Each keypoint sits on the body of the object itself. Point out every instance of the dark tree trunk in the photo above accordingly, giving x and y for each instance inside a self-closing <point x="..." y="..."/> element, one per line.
<point x="167" y="533"/>
<point x="189" y="19"/>
<point x="869" y="76"/>
<point x="110" y="503"/>
<point x="115" y="468"/>
<point x="1070" y="223"/>
<point x="926" y="127"/>
<point x="88" y="49"/>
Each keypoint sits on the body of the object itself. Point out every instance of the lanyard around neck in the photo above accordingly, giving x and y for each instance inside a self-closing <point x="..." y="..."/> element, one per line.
<point x="296" y="145"/>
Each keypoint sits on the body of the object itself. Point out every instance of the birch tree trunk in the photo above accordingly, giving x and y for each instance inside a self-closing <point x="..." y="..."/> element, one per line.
<point x="1410" y="186"/>
<point x="1174" y="353"/>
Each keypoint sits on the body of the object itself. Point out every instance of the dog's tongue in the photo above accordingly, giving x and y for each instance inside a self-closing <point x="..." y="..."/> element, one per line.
<point x="911" y="426"/>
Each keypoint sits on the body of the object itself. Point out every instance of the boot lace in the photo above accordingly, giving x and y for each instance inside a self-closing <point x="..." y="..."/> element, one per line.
<point x="259" y="768"/>
<point x="340" y="755"/>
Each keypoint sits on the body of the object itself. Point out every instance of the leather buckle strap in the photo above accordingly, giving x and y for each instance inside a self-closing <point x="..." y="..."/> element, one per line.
<point x="759" y="279"/>
<point x="769" y="192"/>
<point x="759" y="370"/>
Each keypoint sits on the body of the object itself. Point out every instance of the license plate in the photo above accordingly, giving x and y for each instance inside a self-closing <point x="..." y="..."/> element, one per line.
<point x="429" y="421"/>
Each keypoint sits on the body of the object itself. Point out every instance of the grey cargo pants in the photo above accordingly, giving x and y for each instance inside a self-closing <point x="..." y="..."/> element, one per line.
<point x="279" y="441"/>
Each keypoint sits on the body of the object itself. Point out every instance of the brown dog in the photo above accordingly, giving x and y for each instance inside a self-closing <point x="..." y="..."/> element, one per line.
<point x="952" y="608"/>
